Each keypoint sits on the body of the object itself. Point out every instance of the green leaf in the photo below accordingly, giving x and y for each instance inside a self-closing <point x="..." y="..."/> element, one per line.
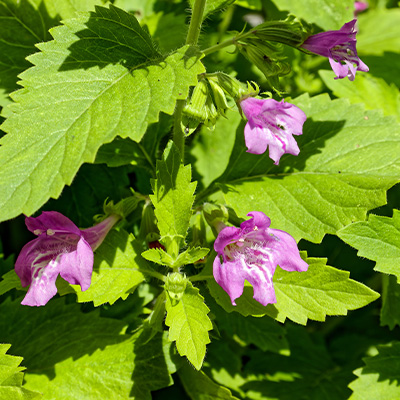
<point x="390" y="311"/>
<point x="379" y="379"/>
<point x="200" y="387"/>
<point x="173" y="198"/>
<point x="379" y="32"/>
<point x="75" y="355"/>
<point x="213" y="6"/>
<point x="373" y="92"/>
<point x="189" y="256"/>
<point x="309" y="372"/>
<point x="320" y="291"/>
<point x="11" y="377"/>
<point x="189" y="325"/>
<point x="377" y="239"/>
<point x="118" y="269"/>
<point x="99" y="78"/>
<point x="328" y="14"/>
<point x="10" y="280"/>
<point x="344" y="169"/>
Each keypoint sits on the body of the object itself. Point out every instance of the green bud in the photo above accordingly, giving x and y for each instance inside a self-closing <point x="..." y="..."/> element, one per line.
<point x="175" y="285"/>
<point x="148" y="224"/>
<point x="219" y="97"/>
<point x="195" y="108"/>
<point x="215" y="215"/>
<point x="123" y="208"/>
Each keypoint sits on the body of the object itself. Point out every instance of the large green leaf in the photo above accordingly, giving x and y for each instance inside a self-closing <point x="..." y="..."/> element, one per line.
<point x="173" y="198"/>
<point x="379" y="379"/>
<point x="189" y="325"/>
<point x="377" y="239"/>
<point x="200" y="387"/>
<point x="314" y="294"/>
<point x="11" y="377"/>
<point x="99" y="78"/>
<point x="118" y="269"/>
<point x="373" y="92"/>
<point x="328" y="14"/>
<point x="75" y="355"/>
<point x="348" y="158"/>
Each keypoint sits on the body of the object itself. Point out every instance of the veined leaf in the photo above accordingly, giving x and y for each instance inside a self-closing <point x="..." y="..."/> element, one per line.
<point x="189" y="256"/>
<point x="11" y="377"/>
<point x="314" y="294"/>
<point x="173" y="198"/>
<point x="100" y="77"/>
<point x="189" y="325"/>
<point x="379" y="379"/>
<point x="200" y="387"/>
<point x="348" y="158"/>
<point x="377" y="239"/>
<point x="118" y="269"/>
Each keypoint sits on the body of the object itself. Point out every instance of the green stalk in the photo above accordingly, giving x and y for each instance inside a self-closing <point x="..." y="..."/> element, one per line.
<point x="192" y="38"/>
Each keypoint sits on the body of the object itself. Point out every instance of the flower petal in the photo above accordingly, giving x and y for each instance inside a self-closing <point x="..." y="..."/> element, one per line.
<point x="256" y="138"/>
<point x="96" y="234"/>
<point x="227" y="236"/>
<point x="257" y="221"/>
<point x="52" y="220"/>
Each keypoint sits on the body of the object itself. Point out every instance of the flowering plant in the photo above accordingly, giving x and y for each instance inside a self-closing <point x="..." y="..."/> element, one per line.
<point x="205" y="204"/>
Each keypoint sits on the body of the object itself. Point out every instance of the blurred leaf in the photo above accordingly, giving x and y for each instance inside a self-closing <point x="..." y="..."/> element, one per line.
<point x="10" y="280"/>
<point x="379" y="31"/>
<point x="348" y="159"/>
<point x="11" y="377"/>
<point x="173" y="198"/>
<point x="328" y="14"/>
<point x="373" y="92"/>
<point x="390" y="311"/>
<point x="377" y="239"/>
<point x="212" y="6"/>
<point x="99" y="78"/>
<point x="189" y="325"/>
<point x="379" y="379"/>
<point x="200" y="387"/>
<point x="314" y="294"/>
<point x="118" y="269"/>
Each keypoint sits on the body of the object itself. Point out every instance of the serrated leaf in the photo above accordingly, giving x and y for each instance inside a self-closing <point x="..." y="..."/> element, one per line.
<point x="158" y="256"/>
<point x="118" y="269"/>
<point x="189" y="325"/>
<point x="328" y="14"/>
<point x="11" y="377"/>
<point x="189" y="256"/>
<point x="75" y="355"/>
<point x="344" y="169"/>
<point x="100" y="77"/>
<point x="373" y="92"/>
<point x="390" y="311"/>
<point x="320" y="291"/>
<point x="173" y="198"/>
<point x="377" y="239"/>
<point x="379" y="379"/>
<point x="200" y="387"/>
<point x="379" y="32"/>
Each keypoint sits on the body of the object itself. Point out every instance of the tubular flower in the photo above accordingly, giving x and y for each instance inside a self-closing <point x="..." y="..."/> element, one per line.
<point x="340" y="47"/>
<point x="252" y="252"/>
<point x="272" y="123"/>
<point x="61" y="248"/>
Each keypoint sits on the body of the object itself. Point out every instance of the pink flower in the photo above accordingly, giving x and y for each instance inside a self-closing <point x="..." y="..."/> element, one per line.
<point x="60" y="249"/>
<point x="340" y="47"/>
<point x="360" y="6"/>
<point x="252" y="252"/>
<point x="272" y="123"/>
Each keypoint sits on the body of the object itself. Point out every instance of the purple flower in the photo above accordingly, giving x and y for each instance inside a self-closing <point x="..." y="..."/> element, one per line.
<point x="272" y="123"/>
<point x="61" y="248"/>
<point x="252" y="253"/>
<point x="360" y="6"/>
<point x="340" y="47"/>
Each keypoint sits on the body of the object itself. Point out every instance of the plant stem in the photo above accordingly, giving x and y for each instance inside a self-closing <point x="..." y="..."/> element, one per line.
<point x="226" y="43"/>
<point x="192" y="38"/>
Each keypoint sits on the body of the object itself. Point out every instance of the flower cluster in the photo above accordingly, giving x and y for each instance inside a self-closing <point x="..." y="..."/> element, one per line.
<point x="252" y="252"/>
<point x="61" y="248"/>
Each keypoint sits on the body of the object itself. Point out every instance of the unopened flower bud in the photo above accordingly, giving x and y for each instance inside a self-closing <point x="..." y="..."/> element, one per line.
<point x="175" y="285"/>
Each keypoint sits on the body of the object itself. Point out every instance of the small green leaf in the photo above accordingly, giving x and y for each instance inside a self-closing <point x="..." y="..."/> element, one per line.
<point x="314" y="294"/>
<point x="11" y="377"/>
<point x="118" y="270"/>
<point x="158" y="256"/>
<point x="100" y="77"/>
<point x="10" y="280"/>
<point x="200" y="387"/>
<point x="189" y="325"/>
<point x="377" y="239"/>
<point x="189" y="256"/>
<point x="173" y="198"/>
<point x="379" y="379"/>
<point x="390" y="311"/>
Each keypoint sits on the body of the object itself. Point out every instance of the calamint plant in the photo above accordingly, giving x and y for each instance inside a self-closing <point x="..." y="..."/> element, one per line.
<point x="193" y="205"/>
